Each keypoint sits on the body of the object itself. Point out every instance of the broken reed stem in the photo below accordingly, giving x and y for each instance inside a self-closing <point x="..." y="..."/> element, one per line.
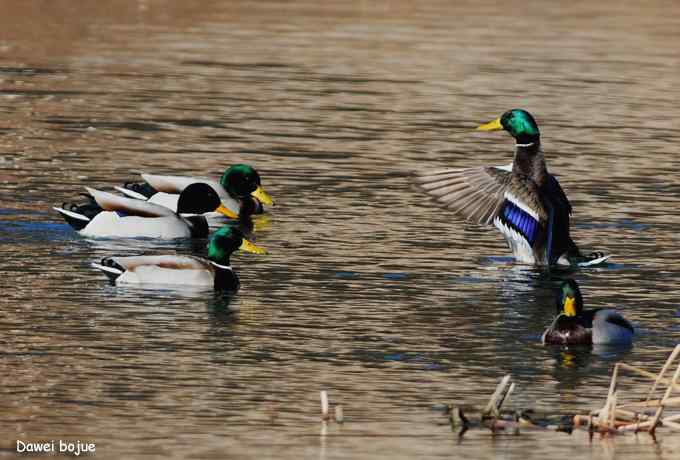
<point x="612" y="384"/>
<point x="603" y="414"/>
<point x="612" y="418"/>
<point x="612" y="410"/>
<point x="666" y="395"/>
<point x="507" y="396"/>
<point x="496" y="401"/>
<point x="633" y="416"/>
<point x="324" y="405"/>
<point x="606" y="417"/>
<point x="639" y="426"/>
<point x="665" y="367"/>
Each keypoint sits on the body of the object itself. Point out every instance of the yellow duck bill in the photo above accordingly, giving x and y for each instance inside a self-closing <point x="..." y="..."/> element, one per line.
<point x="250" y="247"/>
<point x="263" y="196"/>
<point x="570" y="306"/>
<point x="227" y="212"/>
<point x="491" y="126"/>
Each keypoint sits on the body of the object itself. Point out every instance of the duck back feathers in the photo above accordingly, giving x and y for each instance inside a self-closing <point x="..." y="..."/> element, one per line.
<point x="129" y="206"/>
<point x="175" y="184"/>
<point x="610" y="327"/>
<point x="158" y="270"/>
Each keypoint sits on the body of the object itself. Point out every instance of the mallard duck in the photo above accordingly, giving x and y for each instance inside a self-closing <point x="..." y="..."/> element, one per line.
<point x="239" y="188"/>
<point x="522" y="200"/>
<point x="108" y="215"/>
<point x="576" y="326"/>
<point x="174" y="270"/>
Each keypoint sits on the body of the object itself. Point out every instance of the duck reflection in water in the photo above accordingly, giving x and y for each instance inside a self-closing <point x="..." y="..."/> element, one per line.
<point x="220" y="309"/>
<point x="572" y="365"/>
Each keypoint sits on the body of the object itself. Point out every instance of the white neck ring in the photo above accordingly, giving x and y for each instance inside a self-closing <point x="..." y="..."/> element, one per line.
<point x="225" y="267"/>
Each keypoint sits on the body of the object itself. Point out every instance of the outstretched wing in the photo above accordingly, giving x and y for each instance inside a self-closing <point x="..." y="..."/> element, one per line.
<point x="489" y="195"/>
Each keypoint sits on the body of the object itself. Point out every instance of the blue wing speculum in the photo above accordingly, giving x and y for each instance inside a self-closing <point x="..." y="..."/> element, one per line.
<point x="519" y="220"/>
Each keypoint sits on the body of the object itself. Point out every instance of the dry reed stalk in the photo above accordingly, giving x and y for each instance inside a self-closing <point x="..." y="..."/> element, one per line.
<point x="507" y="395"/>
<point x="633" y="416"/>
<point x="667" y="364"/>
<point x="612" y="410"/>
<point x="666" y="395"/>
<point x="640" y="426"/>
<point x="497" y="398"/>
<point x="606" y="417"/>
<point x="324" y="405"/>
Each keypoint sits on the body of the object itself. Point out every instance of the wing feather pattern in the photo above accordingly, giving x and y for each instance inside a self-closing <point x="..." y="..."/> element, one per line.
<point x="491" y="196"/>
<point x="478" y="194"/>
<point x="131" y="206"/>
<point x="165" y="261"/>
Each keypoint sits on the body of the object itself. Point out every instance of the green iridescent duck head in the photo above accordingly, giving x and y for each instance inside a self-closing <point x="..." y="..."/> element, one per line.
<point x="519" y="123"/>
<point x="227" y="240"/>
<point x="241" y="181"/>
<point x="569" y="299"/>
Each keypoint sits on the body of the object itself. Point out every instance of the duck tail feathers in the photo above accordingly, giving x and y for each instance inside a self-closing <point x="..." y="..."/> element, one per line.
<point x="79" y="215"/>
<point x="75" y="219"/>
<point x="110" y="267"/>
<point x="140" y="191"/>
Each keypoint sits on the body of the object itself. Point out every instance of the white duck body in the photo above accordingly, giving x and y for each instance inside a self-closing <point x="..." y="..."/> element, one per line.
<point x="110" y="224"/>
<point x="130" y="218"/>
<point x="163" y="270"/>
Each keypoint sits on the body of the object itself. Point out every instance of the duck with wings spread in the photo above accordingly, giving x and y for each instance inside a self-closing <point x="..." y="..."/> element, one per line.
<point x="522" y="200"/>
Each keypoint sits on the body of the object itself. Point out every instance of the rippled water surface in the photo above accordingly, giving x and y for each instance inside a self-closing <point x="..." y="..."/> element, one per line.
<point x="369" y="290"/>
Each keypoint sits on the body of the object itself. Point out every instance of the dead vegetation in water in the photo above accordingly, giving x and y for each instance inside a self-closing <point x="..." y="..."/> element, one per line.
<point x="660" y="409"/>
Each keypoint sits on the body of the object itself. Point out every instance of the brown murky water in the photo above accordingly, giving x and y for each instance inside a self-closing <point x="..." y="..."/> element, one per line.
<point x="369" y="290"/>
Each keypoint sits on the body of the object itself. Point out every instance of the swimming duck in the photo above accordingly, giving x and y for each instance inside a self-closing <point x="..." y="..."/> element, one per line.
<point x="215" y="272"/>
<point x="108" y="215"/>
<point x="239" y="188"/>
<point x="522" y="200"/>
<point x="576" y="326"/>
